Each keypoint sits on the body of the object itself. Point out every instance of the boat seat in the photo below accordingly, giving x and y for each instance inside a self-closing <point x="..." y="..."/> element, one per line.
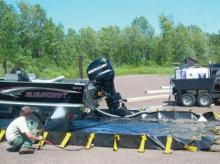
<point x="10" y="77"/>
<point x="32" y="77"/>
<point x="57" y="79"/>
<point x="14" y="77"/>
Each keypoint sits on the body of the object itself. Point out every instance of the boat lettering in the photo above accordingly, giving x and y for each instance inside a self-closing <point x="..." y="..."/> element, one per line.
<point x="77" y="88"/>
<point x="97" y="68"/>
<point x="40" y="94"/>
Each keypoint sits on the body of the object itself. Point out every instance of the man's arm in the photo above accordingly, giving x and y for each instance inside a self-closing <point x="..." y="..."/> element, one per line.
<point x="22" y="126"/>
<point x="32" y="137"/>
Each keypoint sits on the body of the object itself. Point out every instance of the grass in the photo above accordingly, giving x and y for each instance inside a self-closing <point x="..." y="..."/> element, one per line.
<point x="134" y="70"/>
<point x="119" y="70"/>
<point x="70" y="72"/>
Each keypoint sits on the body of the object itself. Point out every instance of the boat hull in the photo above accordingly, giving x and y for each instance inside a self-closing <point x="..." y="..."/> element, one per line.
<point x="48" y="97"/>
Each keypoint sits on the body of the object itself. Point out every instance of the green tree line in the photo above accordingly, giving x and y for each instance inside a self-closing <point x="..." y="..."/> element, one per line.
<point x="29" y="38"/>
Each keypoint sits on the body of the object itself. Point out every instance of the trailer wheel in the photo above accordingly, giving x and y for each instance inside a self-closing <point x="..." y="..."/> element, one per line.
<point x="204" y="99"/>
<point x="188" y="99"/>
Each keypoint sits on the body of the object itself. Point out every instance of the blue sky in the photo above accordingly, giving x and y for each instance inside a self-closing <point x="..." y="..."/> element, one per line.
<point x="100" y="13"/>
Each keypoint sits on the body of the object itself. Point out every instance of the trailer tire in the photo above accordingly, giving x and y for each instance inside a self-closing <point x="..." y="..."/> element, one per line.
<point x="204" y="99"/>
<point x="187" y="99"/>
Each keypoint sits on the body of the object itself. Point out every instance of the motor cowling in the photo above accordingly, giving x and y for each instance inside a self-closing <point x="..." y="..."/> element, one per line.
<point x="101" y="73"/>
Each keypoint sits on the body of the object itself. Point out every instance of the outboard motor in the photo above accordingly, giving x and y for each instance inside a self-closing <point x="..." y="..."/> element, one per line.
<point x="101" y="73"/>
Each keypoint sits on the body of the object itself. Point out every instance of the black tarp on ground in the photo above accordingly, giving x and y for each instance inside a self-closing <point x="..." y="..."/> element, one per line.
<point x="183" y="127"/>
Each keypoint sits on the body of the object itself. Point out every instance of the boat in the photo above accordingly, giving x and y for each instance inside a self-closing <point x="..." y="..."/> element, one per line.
<point x="48" y="95"/>
<point x="59" y="97"/>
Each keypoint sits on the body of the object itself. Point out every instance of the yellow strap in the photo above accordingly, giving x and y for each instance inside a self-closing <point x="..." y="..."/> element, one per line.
<point x="90" y="140"/>
<point x="216" y="115"/>
<point x="116" y="140"/>
<point x="65" y="140"/>
<point x="191" y="148"/>
<point x="168" y="145"/>
<point x="41" y="142"/>
<point x="142" y="144"/>
<point x="2" y="133"/>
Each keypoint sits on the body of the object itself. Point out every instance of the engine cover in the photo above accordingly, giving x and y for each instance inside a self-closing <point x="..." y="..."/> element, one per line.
<point x="102" y="74"/>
